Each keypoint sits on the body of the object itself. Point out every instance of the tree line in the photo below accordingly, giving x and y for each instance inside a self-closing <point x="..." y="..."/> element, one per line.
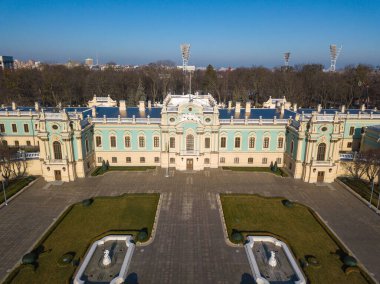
<point x="306" y="85"/>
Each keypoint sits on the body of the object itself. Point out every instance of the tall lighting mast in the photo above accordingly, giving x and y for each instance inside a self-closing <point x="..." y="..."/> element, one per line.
<point x="334" y="54"/>
<point x="185" y="50"/>
<point x="286" y="59"/>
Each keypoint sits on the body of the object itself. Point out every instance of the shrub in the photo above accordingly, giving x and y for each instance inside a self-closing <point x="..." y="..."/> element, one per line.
<point x="87" y="202"/>
<point x="271" y="166"/>
<point x="312" y="261"/>
<point x="287" y="203"/>
<point x="29" y="258"/>
<point x="237" y="236"/>
<point x="350" y="261"/>
<point x="142" y="235"/>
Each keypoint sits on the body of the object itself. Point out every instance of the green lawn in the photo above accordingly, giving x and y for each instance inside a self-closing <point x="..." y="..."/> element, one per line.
<point x="99" y="171"/>
<point x="79" y="226"/>
<point x="362" y="188"/>
<point x="297" y="226"/>
<point x="15" y="186"/>
<point x="279" y="172"/>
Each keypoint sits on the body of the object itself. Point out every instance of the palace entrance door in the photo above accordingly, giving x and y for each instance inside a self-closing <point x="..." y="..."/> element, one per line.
<point x="321" y="177"/>
<point x="57" y="175"/>
<point x="189" y="164"/>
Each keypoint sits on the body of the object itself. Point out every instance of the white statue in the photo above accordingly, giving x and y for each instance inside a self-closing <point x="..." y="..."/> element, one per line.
<point x="106" y="258"/>
<point x="272" y="260"/>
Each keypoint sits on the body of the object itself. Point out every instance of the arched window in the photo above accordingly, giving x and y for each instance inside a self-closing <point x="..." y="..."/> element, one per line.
<point x="189" y="142"/>
<point x="172" y="142"/>
<point x="266" y="142"/>
<point x="223" y="142"/>
<point x="113" y="141"/>
<point x="251" y="142"/>
<point x="321" y="152"/>
<point x="141" y="141"/>
<point x="57" y="150"/>
<point x="280" y="142"/>
<point x="98" y="140"/>
<point x="127" y="141"/>
<point x="87" y="145"/>
<point x="237" y="142"/>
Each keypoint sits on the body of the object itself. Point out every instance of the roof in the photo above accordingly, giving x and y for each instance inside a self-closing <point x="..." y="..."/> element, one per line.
<point x="256" y="113"/>
<point x="114" y="112"/>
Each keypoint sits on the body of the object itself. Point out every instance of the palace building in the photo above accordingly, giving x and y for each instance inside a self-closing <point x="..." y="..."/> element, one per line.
<point x="187" y="132"/>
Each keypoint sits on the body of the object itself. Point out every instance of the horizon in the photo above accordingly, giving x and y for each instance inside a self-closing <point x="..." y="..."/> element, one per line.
<point x="238" y="34"/>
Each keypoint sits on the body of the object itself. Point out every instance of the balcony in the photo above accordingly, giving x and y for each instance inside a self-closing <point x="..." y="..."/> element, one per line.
<point x="189" y="153"/>
<point x="316" y="163"/>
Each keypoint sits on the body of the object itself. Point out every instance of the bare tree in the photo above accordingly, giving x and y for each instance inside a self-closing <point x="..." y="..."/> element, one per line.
<point x="356" y="168"/>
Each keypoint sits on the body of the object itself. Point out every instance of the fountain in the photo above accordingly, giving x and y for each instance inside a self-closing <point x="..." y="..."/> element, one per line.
<point x="106" y="258"/>
<point x="272" y="260"/>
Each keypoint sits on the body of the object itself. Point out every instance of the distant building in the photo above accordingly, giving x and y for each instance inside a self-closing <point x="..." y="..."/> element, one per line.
<point x="89" y="62"/>
<point x="6" y="62"/>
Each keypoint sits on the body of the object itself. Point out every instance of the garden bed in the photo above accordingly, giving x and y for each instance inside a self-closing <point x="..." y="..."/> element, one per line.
<point x="362" y="188"/>
<point x="100" y="170"/>
<point x="278" y="172"/>
<point x="78" y="227"/>
<point x="15" y="186"/>
<point x="299" y="227"/>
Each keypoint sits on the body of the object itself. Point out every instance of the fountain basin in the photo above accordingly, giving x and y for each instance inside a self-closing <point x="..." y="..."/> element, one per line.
<point x="271" y="261"/>
<point x="96" y="269"/>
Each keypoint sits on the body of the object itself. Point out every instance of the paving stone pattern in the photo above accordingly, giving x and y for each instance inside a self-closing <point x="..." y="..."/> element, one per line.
<point x="189" y="245"/>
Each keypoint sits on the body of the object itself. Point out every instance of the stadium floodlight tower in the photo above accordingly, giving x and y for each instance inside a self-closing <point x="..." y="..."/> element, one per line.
<point x="185" y="50"/>
<point x="286" y="59"/>
<point x="334" y="54"/>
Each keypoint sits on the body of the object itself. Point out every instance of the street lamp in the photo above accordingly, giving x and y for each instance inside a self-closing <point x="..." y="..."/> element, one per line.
<point x="5" y="196"/>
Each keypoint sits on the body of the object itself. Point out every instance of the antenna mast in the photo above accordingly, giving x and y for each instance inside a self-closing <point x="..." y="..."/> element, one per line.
<point x="334" y="54"/>
<point x="185" y="50"/>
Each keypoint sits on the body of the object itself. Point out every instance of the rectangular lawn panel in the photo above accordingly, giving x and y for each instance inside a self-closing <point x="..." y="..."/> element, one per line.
<point x="297" y="226"/>
<point x="80" y="226"/>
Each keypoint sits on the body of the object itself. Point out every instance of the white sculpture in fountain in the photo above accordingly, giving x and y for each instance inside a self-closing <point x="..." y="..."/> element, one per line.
<point x="272" y="260"/>
<point x="106" y="258"/>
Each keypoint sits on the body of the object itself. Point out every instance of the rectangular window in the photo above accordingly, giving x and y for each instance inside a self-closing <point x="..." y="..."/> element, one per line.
<point x="87" y="145"/>
<point x="114" y="160"/>
<point x="17" y="144"/>
<point x="279" y="161"/>
<point x="266" y="142"/>
<point x="100" y="159"/>
<point x="236" y="160"/>
<point x="98" y="141"/>
<point x="172" y="160"/>
<point x="2" y="128"/>
<point x="14" y="128"/>
<point x="26" y="128"/>
<point x="36" y="126"/>
<point x="127" y="141"/>
<point x="250" y="160"/>
<point x="223" y="143"/>
<point x="172" y="142"/>
<point x="128" y="160"/>
<point x="352" y="130"/>
<point x="156" y="142"/>
<point x="265" y="161"/>
<point x="156" y="159"/>
<point x="28" y="143"/>
<point x="349" y="145"/>
<point x="142" y="159"/>
<point x="280" y="142"/>
<point x="141" y="142"/>
<point x="222" y="160"/>
<point x="237" y="142"/>
<point x="207" y="161"/>
<point x="113" y="141"/>
<point x="207" y="143"/>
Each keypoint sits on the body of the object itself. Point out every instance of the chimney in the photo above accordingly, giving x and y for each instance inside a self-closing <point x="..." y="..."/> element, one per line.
<point x="14" y="106"/>
<point x="149" y="104"/>
<point x="342" y="108"/>
<point x="141" y="106"/>
<point x="248" y="107"/>
<point x="37" y="106"/>
<point x="237" y="107"/>
<point x="319" y="108"/>
<point x="295" y="107"/>
<point x="362" y="107"/>
<point x="93" y="111"/>
<point x="229" y="105"/>
<point x="122" y="106"/>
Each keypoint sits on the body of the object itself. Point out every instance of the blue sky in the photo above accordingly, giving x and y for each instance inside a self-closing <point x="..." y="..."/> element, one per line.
<point x="223" y="33"/>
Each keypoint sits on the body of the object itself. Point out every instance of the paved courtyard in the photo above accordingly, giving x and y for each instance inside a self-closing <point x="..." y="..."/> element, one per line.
<point x="189" y="245"/>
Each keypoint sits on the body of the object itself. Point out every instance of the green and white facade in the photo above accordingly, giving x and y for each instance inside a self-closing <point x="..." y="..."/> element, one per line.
<point x="185" y="132"/>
